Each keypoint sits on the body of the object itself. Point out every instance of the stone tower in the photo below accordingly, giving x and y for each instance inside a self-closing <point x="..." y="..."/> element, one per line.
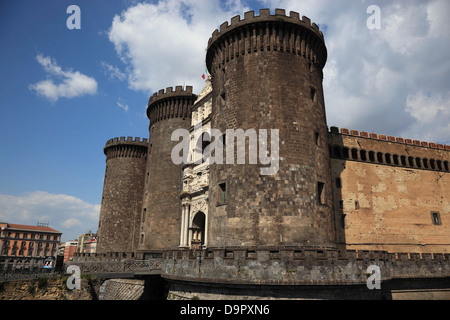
<point x="267" y="74"/>
<point x="122" y="195"/>
<point x="161" y="210"/>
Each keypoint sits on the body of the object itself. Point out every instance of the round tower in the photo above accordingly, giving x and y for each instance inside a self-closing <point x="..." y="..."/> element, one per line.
<point x="161" y="210"/>
<point x="267" y="74"/>
<point x="122" y="194"/>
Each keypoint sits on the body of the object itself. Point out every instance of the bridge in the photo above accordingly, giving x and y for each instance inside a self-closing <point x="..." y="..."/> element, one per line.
<point x="119" y="269"/>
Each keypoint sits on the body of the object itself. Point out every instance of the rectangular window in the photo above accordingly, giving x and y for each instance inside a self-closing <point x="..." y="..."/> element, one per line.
<point x="321" y="192"/>
<point x="435" y="216"/>
<point x="338" y="183"/>
<point x="341" y="204"/>
<point x="222" y="193"/>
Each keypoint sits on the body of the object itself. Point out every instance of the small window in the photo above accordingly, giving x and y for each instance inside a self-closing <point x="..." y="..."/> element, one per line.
<point x="338" y="183"/>
<point x="222" y="193"/>
<point x="372" y="156"/>
<point x="387" y="157"/>
<point x="354" y="154"/>
<point x="396" y="162"/>
<point x="321" y="192"/>
<point x="356" y="205"/>
<point x="380" y="157"/>
<point x="435" y="216"/>
<point x="403" y="160"/>
<point x="341" y="204"/>
<point x="316" y="138"/>
<point x="313" y="95"/>
<point x="363" y="155"/>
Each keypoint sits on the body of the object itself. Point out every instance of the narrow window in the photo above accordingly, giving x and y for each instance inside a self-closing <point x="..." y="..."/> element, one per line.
<point x="418" y="163"/>
<point x="439" y="164"/>
<point x="144" y="214"/>
<point x="372" y="156"/>
<point x="432" y="164"/>
<point x="341" y="204"/>
<point x="356" y="205"/>
<point x="425" y="163"/>
<point x="363" y="155"/>
<point x="338" y="183"/>
<point x="388" y="158"/>
<point x="313" y="95"/>
<point x="380" y="157"/>
<point x="436" y="218"/>
<point x="411" y="161"/>
<point x="403" y="159"/>
<point x="321" y="192"/>
<point x="222" y="193"/>
<point x="446" y="165"/>
<point x="395" y="157"/>
<point x="354" y="154"/>
<point x="142" y="238"/>
<point x="316" y="138"/>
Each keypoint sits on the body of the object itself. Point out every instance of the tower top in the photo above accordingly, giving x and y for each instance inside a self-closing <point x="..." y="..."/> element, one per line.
<point x="277" y="32"/>
<point x="170" y="103"/>
<point x="170" y="93"/>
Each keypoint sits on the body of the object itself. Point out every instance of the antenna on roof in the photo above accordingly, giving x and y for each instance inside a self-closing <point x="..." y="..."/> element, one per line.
<point x="42" y="223"/>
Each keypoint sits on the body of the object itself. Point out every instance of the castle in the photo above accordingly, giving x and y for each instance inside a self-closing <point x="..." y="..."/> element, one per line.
<point x="341" y="199"/>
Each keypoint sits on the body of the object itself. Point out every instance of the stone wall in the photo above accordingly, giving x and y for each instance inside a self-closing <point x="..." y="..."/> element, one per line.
<point x="387" y="193"/>
<point x="298" y="266"/>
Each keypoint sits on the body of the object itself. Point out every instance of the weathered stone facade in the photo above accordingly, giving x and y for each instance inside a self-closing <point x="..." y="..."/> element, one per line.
<point x="161" y="210"/>
<point x="339" y="201"/>
<point x="122" y="194"/>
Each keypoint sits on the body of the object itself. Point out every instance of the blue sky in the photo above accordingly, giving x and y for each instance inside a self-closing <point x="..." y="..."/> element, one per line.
<point x="64" y="93"/>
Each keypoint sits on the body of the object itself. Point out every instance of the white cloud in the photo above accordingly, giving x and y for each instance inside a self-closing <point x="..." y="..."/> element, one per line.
<point x="72" y="83"/>
<point x="122" y="106"/>
<point x="373" y="78"/>
<point x="432" y="114"/>
<point x="113" y="72"/>
<point x="369" y="76"/>
<point x="65" y="213"/>
<point x="164" y="44"/>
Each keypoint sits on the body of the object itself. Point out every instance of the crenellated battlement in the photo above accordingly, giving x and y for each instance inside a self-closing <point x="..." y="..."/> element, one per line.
<point x="170" y="103"/>
<point x="383" y="137"/>
<point x="126" y="147"/>
<point x="266" y="32"/>
<point x="169" y="92"/>
<point x="127" y="140"/>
